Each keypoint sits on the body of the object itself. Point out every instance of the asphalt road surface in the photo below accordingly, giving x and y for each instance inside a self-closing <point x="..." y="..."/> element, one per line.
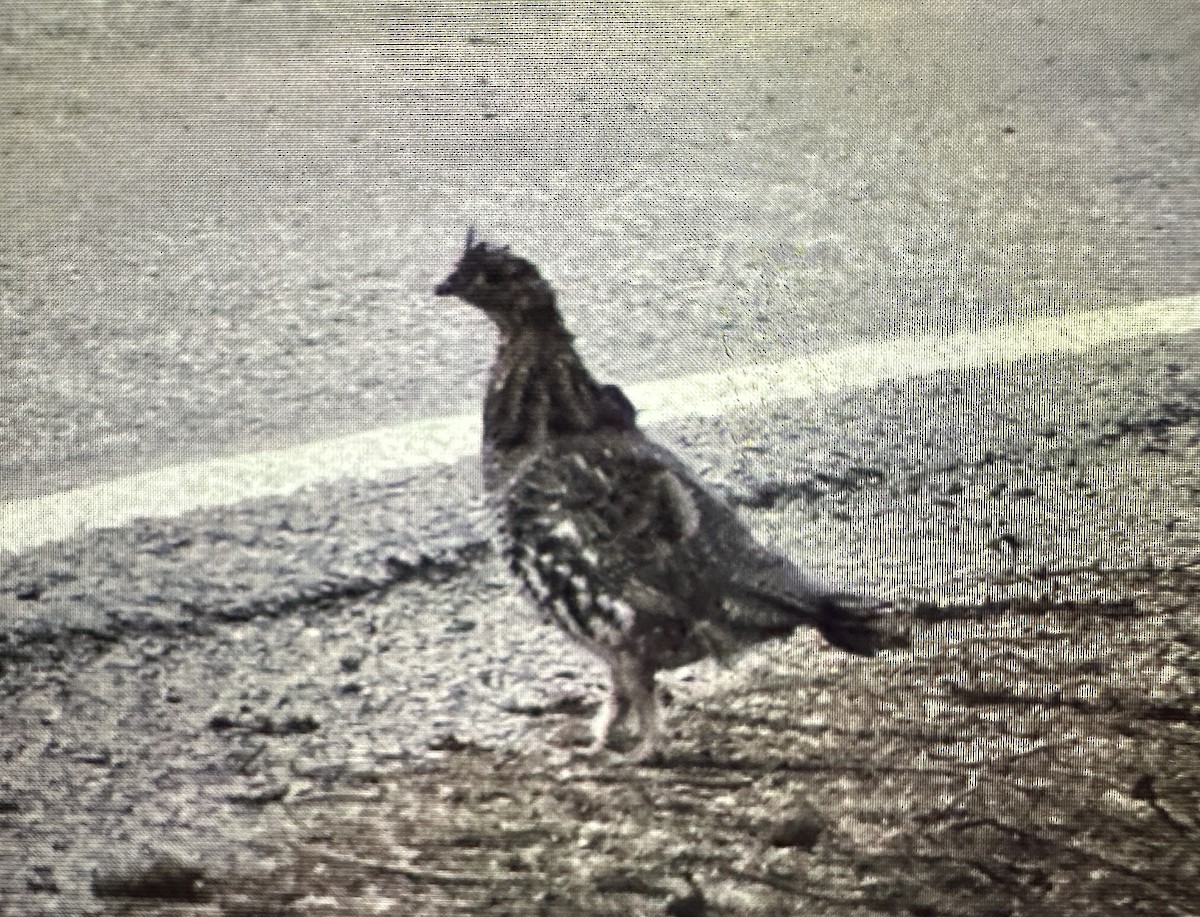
<point x="218" y="228"/>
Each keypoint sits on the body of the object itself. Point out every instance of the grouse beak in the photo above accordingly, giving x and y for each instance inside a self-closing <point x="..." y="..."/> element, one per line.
<point x="445" y="288"/>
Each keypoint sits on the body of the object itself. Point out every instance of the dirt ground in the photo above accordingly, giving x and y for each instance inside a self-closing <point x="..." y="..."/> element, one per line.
<point x="335" y="704"/>
<point x="976" y="777"/>
<point x="1024" y="760"/>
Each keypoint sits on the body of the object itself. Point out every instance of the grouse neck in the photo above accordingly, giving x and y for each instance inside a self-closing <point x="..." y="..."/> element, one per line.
<point x="539" y="389"/>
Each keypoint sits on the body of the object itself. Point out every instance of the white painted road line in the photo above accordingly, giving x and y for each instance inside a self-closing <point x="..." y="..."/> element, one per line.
<point x="379" y="453"/>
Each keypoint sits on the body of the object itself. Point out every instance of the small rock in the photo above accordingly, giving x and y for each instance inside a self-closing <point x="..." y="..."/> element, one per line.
<point x="1119" y="803"/>
<point x="527" y="703"/>
<point x="623" y="882"/>
<point x="42" y="880"/>
<point x="1143" y="789"/>
<point x="690" y="905"/>
<point x="261" y="795"/>
<point x="1008" y="541"/>
<point x="450" y="742"/>
<point x="801" y="832"/>
<point x="163" y="879"/>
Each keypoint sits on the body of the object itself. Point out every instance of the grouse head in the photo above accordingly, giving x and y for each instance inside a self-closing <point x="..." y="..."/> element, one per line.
<point x="506" y="287"/>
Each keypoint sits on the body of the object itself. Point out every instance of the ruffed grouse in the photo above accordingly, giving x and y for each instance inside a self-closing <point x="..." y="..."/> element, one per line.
<point x="617" y="541"/>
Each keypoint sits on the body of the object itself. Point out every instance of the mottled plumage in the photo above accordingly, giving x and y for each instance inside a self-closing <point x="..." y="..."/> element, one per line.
<point x="616" y="540"/>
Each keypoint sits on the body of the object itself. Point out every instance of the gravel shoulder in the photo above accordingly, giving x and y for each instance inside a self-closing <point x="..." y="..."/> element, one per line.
<point x="335" y="703"/>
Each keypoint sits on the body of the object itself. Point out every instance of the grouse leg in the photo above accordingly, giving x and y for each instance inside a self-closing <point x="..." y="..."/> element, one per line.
<point x="612" y="711"/>
<point x="644" y="696"/>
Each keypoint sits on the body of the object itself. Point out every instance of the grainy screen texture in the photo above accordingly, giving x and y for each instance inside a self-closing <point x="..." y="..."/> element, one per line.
<point x="904" y="291"/>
